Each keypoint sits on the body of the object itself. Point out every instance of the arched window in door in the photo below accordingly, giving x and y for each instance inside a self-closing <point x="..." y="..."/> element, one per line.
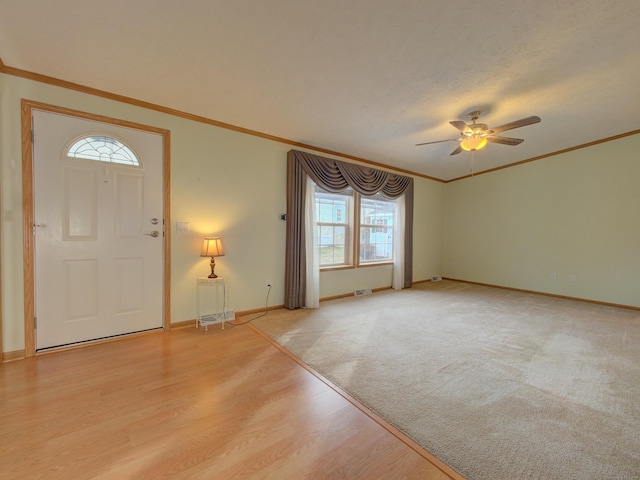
<point x="102" y="148"/>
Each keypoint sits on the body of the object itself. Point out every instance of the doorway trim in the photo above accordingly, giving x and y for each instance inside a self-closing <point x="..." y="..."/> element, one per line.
<point x="28" y="214"/>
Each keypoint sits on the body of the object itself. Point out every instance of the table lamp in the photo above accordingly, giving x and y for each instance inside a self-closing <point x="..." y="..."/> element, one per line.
<point x="212" y="247"/>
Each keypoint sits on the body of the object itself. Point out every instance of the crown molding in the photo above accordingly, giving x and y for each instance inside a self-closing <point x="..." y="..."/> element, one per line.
<point x="196" y="118"/>
<point x="200" y="119"/>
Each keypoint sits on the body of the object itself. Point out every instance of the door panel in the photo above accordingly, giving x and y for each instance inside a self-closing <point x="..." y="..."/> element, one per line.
<point x="129" y="206"/>
<point x="97" y="271"/>
<point x="130" y="287"/>
<point x="79" y="215"/>
<point x="81" y="290"/>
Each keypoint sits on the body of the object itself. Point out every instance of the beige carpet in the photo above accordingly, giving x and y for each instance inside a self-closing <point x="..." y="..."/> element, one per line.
<point x="497" y="384"/>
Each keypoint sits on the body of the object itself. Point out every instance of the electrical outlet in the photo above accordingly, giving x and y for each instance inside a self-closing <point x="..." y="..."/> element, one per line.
<point x="554" y="276"/>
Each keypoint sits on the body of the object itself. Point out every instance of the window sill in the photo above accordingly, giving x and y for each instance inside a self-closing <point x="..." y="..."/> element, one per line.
<point x="337" y="267"/>
<point x="353" y="267"/>
<point x="374" y="264"/>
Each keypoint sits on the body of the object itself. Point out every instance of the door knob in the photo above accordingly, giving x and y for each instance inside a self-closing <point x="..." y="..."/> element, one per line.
<point x="153" y="234"/>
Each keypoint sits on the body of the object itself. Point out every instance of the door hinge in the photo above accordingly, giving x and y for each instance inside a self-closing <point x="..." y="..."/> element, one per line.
<point x="35" y="323"/>
<point x="33" y="136"/>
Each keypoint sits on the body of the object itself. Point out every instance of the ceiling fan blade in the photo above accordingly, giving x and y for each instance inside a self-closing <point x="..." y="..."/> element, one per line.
<point x="438" y="141"/>
<point x="460" y="125"/>
<point x="504" y="140"/>
<point x="523" y="122"/>
<point x="456" y="151"/>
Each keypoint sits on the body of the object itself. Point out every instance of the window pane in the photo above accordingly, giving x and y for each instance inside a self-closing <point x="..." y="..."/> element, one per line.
<point x="333" y="215"/>
<point x="376" y="245"/>
<point x="331" y="242"/>
<point x="326" y="235"/>
<point x="376" y="229"/>
<point x="331" y="207"/>
<point x="103" y="149"/>
<point x="377" y="211"/>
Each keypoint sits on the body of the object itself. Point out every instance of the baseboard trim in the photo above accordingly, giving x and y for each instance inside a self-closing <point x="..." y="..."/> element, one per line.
<point x="546" y="294"/>
<point x="183" y="324"/>
<point x="350" y="294"/>
<point x="13" y="356"/>
<point x="258" y="310"/>
<point x="239" y="315"/>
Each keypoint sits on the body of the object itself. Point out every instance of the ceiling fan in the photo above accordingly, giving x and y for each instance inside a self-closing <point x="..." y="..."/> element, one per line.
<point x="475" y="136"/>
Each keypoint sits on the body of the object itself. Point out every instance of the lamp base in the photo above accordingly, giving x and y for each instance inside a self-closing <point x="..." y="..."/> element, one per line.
<point x="213" y="265"/>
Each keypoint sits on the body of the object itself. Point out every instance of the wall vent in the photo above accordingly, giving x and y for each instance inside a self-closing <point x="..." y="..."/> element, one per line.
<point x="214" y="318"/>
<point x="363" y="291"/>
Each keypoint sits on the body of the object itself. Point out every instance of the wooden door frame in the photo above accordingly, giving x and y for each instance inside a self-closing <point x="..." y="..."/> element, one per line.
<point x="28" y="211"/>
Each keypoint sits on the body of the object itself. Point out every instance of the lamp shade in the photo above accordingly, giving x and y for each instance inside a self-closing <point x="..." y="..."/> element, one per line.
<point x="473" y="143"/>
<point x="212" y="247"/>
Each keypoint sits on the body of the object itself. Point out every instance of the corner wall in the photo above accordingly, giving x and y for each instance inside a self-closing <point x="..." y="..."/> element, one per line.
<point x="576" y="213"/>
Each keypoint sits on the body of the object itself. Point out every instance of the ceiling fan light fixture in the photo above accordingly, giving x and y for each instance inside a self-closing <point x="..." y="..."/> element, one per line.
<point x="473" y="143"/>
<point x="476" y="135"/>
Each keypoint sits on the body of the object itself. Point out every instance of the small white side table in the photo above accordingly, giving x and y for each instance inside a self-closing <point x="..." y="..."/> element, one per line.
<point x="210" y="306"/>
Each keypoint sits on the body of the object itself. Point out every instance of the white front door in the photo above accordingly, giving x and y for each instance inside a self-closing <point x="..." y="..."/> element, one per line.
<point x="98" y="269"/>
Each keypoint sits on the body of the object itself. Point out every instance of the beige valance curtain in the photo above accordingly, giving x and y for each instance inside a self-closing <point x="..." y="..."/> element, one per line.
<point x="334" y="176"/>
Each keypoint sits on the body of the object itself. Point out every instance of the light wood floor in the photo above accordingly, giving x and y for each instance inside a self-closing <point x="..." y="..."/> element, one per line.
<point x="222" y="404"/>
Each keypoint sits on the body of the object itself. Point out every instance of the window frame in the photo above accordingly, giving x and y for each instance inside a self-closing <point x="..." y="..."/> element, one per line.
<point x="353" y="229"/>
<point x="376" y="227"/>
<point x="347" y="225"/>
<point x="94" y="142"/>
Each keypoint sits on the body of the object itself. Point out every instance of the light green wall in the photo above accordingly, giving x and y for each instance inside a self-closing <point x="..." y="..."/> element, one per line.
<point x="576" y="213"/>
<point x="223" y="183"/>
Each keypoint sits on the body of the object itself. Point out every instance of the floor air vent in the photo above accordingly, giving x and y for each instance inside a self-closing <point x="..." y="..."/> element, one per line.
<point x="220" y="317"/>
<point x="364" y="291"/>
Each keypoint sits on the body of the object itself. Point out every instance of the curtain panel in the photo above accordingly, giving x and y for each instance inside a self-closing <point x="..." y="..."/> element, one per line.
<point x="334" y="176"/>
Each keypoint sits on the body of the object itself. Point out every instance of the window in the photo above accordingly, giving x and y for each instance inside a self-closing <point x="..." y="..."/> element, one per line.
<point x="103" y="149"/>
<point x="376" y="229"/>
<point x="334" y="226"/>
<point x="339" y="234"/>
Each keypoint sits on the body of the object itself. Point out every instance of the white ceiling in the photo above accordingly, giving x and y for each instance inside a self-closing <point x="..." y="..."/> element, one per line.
<point x="367" y="78"/>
